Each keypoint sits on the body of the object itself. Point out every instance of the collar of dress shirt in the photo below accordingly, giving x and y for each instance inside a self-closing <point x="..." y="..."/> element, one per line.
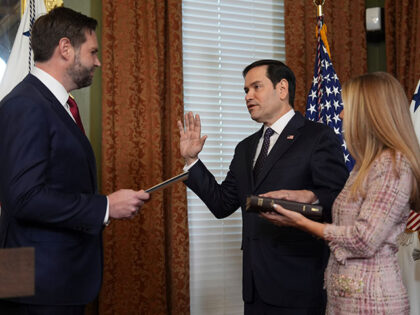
<point x="279" y="125"/>
<point x="52" y="84"/>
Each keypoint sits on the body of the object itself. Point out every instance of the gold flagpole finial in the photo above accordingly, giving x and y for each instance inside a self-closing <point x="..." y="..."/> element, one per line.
<point x="319" y="4"/>
<point x="49" y="4"/>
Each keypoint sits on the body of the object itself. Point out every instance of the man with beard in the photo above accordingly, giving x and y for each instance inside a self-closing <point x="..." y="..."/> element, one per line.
<point x="48" y="184"/>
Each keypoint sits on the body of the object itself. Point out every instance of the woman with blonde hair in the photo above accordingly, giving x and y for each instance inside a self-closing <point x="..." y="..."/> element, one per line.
<point x="363" y="275"/>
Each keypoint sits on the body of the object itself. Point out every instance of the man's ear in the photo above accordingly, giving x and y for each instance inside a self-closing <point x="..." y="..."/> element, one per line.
<point x="283" y="89"/>
<point x="65" y="48"/>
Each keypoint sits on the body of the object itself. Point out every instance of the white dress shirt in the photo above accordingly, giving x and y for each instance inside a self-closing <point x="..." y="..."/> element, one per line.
<point x="55" y="87"/>
<point x="277" y="127"/>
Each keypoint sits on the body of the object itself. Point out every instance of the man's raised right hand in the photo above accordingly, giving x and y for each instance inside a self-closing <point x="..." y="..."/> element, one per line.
<point x="191" y="142"/>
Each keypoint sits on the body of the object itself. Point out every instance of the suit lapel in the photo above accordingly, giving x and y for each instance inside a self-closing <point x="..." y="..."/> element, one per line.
<point x="80" y="136"/>
<point x="286" y="139"/>
<point x="71" y="126"/>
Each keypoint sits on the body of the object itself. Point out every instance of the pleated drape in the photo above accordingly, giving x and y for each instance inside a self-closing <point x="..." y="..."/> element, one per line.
<point x="402" y="40"/>
<point x="146" y="260"/>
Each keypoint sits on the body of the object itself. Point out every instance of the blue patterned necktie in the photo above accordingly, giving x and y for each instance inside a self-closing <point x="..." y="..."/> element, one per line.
<point x="263" y="153"/>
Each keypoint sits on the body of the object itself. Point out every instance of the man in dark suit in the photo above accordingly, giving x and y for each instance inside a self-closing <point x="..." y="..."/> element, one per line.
<point x="282" y="267"/>
<point x="48" y="184"/>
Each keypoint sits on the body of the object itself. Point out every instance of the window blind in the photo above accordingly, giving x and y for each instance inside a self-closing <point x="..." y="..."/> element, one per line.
<point x="220" y="38"/>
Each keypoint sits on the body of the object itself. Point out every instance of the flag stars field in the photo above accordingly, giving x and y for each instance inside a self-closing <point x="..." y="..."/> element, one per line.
<point x="324" y="102"/>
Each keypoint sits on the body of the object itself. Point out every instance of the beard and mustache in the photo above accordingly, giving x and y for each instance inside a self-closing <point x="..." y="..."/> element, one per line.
<point x="81" y="75"/>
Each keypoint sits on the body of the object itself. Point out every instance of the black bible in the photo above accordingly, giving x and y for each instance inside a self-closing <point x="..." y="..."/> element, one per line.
<point x="265" y="204"/>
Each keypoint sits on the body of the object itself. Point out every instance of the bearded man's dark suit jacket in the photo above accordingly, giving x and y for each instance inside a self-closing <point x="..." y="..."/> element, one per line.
<point x="286" y="264"/>
<point x="48" y="194"/>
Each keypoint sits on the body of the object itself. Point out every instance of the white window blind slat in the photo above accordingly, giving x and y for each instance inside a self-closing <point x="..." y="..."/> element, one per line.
<point x="219" y="39"/>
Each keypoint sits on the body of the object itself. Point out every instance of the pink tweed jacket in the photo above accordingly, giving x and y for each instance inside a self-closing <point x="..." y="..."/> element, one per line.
<point x="363" y="275"/>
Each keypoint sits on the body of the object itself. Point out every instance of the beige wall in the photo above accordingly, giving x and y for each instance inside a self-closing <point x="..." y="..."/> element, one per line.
<point x="89" y="99"/>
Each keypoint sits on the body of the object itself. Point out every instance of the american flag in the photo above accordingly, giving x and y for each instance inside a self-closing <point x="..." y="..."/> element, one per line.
<point x="413" y="223"/>
<point x="324" y="102"/>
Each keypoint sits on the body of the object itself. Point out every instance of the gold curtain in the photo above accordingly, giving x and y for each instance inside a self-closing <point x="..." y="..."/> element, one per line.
<point x="146" y="259"/>
<point x="402" y="38"/>
<point x="346" y="37"/>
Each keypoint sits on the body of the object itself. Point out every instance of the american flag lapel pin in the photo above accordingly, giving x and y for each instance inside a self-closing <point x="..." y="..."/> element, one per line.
<point x="290" y="137"/>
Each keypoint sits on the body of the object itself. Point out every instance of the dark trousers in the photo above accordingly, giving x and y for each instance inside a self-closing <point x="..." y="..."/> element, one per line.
<point x="11" y="308"/>
<point x="259" y="307"/>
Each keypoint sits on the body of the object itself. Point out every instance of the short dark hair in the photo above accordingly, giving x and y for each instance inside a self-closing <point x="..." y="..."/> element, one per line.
<point x="276" y="71"/>
<point x="60" y="22"/>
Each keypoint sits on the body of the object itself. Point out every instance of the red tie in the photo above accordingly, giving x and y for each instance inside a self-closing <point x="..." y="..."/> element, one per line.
<point x="75" y="112"/>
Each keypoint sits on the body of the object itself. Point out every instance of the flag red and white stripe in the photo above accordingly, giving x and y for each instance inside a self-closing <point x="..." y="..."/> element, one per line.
<point x="413" y="223"/>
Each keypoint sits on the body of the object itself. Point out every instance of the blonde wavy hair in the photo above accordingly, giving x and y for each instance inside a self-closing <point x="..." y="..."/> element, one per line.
<point x="377" y="118"/>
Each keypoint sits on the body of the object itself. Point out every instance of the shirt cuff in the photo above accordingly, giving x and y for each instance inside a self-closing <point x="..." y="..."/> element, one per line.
<point x="187" y="167"/>
<point x="107" y="220"/>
